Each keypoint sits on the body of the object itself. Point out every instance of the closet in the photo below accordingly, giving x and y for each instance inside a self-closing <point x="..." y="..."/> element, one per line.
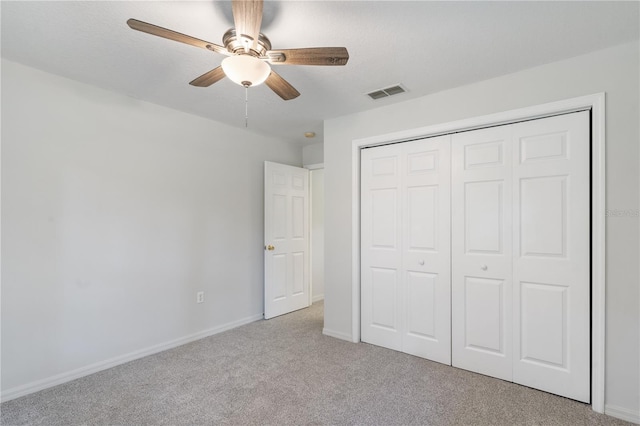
<point x="475" y="251"/>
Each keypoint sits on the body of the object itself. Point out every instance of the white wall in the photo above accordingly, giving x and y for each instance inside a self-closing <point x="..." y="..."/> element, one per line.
<point x="313" y="154"/>
<point x="317" y="234"/>
<point x="114" y="213"/>
<point x="614" y="71"/>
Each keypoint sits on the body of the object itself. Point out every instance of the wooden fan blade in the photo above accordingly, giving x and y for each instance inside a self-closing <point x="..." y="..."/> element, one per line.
<point x="176" y="36"/>
<point x="281" y="86"/>
<point x="309" y="56"/>
<point x="208" y="78"/>
<point x="247" y="16"/>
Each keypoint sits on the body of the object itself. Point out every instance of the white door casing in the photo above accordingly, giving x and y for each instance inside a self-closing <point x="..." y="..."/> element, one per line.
<point x="482" y="252"/>
<point x="551" y="279"/>
<point x="405" y="248"/>
<point x="286" y="237"/>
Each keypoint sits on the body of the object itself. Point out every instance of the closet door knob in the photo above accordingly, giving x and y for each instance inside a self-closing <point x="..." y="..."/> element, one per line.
<point x="484" y="267"/>
<point x="421" y="262"/>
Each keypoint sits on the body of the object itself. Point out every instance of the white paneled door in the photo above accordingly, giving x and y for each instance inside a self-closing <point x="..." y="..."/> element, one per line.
<point x="405" y="265"/>
<point x="551" y="279"/>
<point x="481" y="251"/>
<point x="520" y="253"/>
<point x="286" y="236"/>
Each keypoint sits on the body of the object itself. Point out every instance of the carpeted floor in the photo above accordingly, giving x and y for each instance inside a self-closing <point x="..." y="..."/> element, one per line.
<point x="284" y="371"/>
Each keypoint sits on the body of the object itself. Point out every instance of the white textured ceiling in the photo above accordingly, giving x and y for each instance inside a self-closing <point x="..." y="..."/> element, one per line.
<point x="426" y="46"/>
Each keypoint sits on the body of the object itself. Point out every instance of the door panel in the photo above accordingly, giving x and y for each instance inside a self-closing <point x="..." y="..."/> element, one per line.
<point x="405" y="262"/>
<point x="551" y="255"/>
<point x="484" y="319"/>
<point x="380" y="251"/>
<point x="426" y="254"/>
<point x="286" y="233"/>
<point x="483" y="217"/>
<point x="481" y="252"/>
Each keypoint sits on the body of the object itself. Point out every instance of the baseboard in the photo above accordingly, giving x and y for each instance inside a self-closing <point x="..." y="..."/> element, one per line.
<point x="622" y="413"/>
<point x="336" y="334"/>
<point x="317" y="298"/>
<point x="68" y="376"/>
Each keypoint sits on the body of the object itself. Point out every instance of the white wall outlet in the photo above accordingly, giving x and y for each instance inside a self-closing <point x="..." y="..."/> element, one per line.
<point x="200" y="297"/>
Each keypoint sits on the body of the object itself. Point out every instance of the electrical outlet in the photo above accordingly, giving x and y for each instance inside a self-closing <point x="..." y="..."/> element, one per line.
<point x="200" y="297"/>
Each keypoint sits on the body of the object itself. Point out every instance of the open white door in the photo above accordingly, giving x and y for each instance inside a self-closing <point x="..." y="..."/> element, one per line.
<point x="286" y="239"/>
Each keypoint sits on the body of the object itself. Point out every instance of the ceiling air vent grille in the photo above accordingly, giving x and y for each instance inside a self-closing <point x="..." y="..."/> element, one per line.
<point x="386" y="92"/>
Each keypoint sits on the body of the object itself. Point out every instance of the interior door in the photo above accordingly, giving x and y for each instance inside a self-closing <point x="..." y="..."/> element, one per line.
<point x="551" y="279"/>
<point x="405" y="252"/>
<point x="482" y="251"/>
<point x="286" y="236"/>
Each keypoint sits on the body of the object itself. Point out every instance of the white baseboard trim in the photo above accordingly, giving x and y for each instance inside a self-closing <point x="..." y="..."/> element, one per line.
<point x="337" y="334"/>
<point x="622" y="413"/>
<point x="317" y="298"/>
<point x="68" y="376"/>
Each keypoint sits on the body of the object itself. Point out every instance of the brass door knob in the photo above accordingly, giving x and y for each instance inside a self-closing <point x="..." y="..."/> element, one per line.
<point x="270" y="247"/>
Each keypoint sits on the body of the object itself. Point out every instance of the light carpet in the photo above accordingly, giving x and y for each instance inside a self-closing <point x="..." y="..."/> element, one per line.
<point x="285" y="372"/>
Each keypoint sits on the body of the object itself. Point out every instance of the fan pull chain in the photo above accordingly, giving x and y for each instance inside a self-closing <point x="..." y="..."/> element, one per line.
<point x="246" y="107"/>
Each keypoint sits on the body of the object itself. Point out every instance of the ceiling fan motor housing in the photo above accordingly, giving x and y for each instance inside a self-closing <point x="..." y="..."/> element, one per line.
<point x="234" y="44"/>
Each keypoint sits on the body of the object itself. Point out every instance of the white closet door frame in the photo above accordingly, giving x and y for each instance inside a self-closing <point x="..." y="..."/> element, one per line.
<point x="596" y="104"/>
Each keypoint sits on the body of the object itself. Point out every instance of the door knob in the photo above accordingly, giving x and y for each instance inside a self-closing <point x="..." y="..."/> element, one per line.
<point x="421" y="262"/>
<point x="270" y="247"/>
<point x="484" y="267"/>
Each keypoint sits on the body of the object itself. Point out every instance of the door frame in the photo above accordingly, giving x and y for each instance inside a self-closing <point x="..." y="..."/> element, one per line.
<point x="311" y="168"/>
<point x="596" y="104"/>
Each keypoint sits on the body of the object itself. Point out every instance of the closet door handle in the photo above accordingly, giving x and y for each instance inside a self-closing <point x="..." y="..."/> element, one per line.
<point x="484" y="267"/>
<point x="421" y="262"/>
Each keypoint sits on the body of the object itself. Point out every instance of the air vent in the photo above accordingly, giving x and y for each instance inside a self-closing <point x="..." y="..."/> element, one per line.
<point x="389" y="91"/>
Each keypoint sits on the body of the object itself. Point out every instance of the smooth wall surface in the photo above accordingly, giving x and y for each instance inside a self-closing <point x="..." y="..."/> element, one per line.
<point x="614" y="71"/>
<point x="313" y="154"/>
<point x="115" y="212"/>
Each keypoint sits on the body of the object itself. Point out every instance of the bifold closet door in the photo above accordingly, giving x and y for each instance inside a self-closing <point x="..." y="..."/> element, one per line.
<point x="405" y="247"/>
<point x="551" y="269"/>
<point x="481" y="251"/>
<point x="520" y="253"/>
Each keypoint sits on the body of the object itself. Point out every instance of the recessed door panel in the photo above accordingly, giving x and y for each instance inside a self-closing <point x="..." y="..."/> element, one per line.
<point x="280" y="276"/>
<point x="543" y="324"/>
<point x="421" y="304"/>
<point x="422" y="162"/>
<point x="279" y="217"/>
<point x="384" y="284"/>
<point x="422" y="215"/>
<point x="298" y="262"/>
<point x="483" y="210"/>
<point x="543" y="147"/>
<point x="298" y="218"/>
<point x="384" y="208"/>
<point x="543" y="216"/>
<point x="484" y="317"/>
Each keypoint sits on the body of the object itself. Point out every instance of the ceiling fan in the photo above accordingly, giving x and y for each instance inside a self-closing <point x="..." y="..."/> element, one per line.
<point x="249" y="52"/>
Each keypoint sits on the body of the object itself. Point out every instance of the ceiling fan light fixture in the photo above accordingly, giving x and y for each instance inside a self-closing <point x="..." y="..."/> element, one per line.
<point x="246" y="70"/>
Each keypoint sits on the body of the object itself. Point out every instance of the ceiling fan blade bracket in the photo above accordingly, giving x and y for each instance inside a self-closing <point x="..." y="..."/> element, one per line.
<point x="276" y="57"/>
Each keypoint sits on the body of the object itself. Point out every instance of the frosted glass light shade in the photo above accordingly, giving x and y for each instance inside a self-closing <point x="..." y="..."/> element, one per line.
<point x="246" y="70"/>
